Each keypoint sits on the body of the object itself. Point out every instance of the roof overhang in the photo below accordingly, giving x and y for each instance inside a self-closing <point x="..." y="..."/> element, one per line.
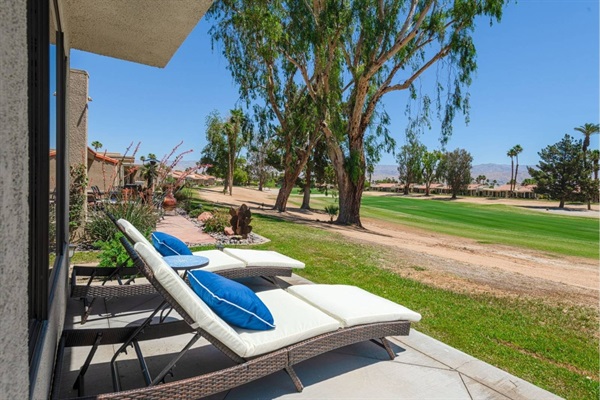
<point x="142" y="31"/>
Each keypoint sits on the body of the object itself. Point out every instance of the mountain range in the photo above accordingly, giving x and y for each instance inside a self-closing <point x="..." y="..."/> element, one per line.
<point x="498" y="172"/>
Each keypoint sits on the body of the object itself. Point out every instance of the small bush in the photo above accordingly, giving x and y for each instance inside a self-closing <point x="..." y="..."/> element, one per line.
<point x="218" y="222"/>
<point x="113" y="253"/>
<point x="100" y="227"/>
<point x="332" y="210"/>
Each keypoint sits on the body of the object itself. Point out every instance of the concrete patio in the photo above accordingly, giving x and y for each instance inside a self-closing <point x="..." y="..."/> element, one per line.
<point x="424" y="368"/>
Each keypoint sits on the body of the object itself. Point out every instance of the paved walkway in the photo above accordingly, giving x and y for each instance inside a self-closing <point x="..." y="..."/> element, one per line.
<point x="184" y="229"/>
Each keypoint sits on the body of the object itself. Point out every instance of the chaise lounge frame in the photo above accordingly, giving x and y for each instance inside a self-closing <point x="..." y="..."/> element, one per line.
<point x="249" y="369"/>
<point x="125" y="288"/>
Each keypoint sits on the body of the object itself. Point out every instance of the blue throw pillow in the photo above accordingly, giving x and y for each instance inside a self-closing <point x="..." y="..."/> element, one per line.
<point x="233" y="302"/>
<point x="168" y="245"/>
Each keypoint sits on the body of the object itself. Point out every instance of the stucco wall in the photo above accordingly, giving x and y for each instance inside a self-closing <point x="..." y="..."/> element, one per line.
<point x="102" y="174"/>
<point x="14" y="212"/>
<point x="77" y="116"/>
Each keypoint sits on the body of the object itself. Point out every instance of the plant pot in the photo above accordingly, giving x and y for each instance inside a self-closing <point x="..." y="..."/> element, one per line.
<point x="169" y="202"/>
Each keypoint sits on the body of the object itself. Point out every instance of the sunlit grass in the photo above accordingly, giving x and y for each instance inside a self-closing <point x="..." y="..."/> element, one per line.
<point x="552" y="346"/>
<point x="488" y="224"/>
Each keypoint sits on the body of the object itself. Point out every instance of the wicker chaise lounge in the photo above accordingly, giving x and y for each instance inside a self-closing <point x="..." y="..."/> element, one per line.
<point x="310" y="320"/>
<point x="230" y="263"/>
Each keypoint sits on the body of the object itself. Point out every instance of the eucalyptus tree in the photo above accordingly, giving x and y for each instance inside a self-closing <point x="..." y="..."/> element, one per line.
<point x="225" y="139"/>
<point x="431" y="161"/>
<point x="260" y="152"/>
<point x="251" y="34"/>
<point x="314" y="172"/>
<point x="350" y="54"/>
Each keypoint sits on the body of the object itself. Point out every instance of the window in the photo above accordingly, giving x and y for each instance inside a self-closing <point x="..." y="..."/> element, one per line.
<point x="47" y="165"/>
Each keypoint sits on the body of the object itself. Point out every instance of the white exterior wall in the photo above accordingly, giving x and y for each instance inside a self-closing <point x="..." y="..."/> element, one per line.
<point x="14" y="210"/>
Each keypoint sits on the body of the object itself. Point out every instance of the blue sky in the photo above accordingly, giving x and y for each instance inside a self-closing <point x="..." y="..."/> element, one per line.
<point x="537" y="79"/>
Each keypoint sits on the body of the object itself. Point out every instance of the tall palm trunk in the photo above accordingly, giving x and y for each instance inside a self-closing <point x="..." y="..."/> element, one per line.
<point x="516" y="173"/>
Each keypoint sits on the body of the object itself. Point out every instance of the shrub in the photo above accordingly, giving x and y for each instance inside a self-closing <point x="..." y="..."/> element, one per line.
<point x="100" y="227"/>
<point x="184" y="197"/>
<point x="195" y="212"/>
<point x="332" y="210"/>
<point x="218" y="222"/>
<point x="113" y="253"/>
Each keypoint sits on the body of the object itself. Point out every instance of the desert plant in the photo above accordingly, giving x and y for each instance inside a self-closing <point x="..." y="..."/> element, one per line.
<point x="332" y="210"/>
<point x="100" y="228"/>
<point x="240" y="220"/>
<point x="218" y="222"/>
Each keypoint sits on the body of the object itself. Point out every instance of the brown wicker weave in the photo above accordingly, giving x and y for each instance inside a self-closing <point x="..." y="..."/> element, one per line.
<point x="251" y="369"/>
<point x="88" y="293"/>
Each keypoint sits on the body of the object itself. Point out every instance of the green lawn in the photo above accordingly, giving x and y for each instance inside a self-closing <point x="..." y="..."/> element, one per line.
<point x="501" y="224"/>
<point x="553" y="346"/>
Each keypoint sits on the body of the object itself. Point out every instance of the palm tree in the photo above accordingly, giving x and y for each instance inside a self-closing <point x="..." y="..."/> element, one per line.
<point x="517" y="150"/>
<point x="96" y="145"/>
<point x="587" y="130"/>
<point x="511" y="153"/>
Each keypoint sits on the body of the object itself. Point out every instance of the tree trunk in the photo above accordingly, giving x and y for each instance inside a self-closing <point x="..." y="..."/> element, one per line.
<point x="350" y="192"/>
<point x="349" y="201"/>
<point x="306" y="199"/>
<point x="427" y="189"/>
<point x="512" y="179"/>
<point x="284" y="193"/>
<point x="289" y="178"/>
<point x="562" y="203"/>
<point x="516" y="174"/>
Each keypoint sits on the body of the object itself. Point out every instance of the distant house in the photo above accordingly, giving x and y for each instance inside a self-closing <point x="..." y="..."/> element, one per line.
<point x="196" y="179"/>
<point x="503" y="191"/>
<point x="103" y="171"/>
<point x="526" y="192"/>
<point x="385" y="187"/>
<point x="475" y="189"/>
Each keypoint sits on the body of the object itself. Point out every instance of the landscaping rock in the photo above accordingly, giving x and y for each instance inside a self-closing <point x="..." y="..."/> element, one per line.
<point x="205" y="216"/>
<point x="229" y="231"/>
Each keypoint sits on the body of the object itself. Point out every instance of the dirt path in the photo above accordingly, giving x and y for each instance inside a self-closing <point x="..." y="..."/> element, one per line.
<point x="456" y="263"/>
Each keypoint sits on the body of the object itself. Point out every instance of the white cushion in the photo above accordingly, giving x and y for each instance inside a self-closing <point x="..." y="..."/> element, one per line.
<point x="352" y="305"/>
<point x="295" y="320"/>
<point x="264" y="258"/>
<point x="219" y="261"/>
<point x="133" y="232"/>
<point x="203" y="316"/>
